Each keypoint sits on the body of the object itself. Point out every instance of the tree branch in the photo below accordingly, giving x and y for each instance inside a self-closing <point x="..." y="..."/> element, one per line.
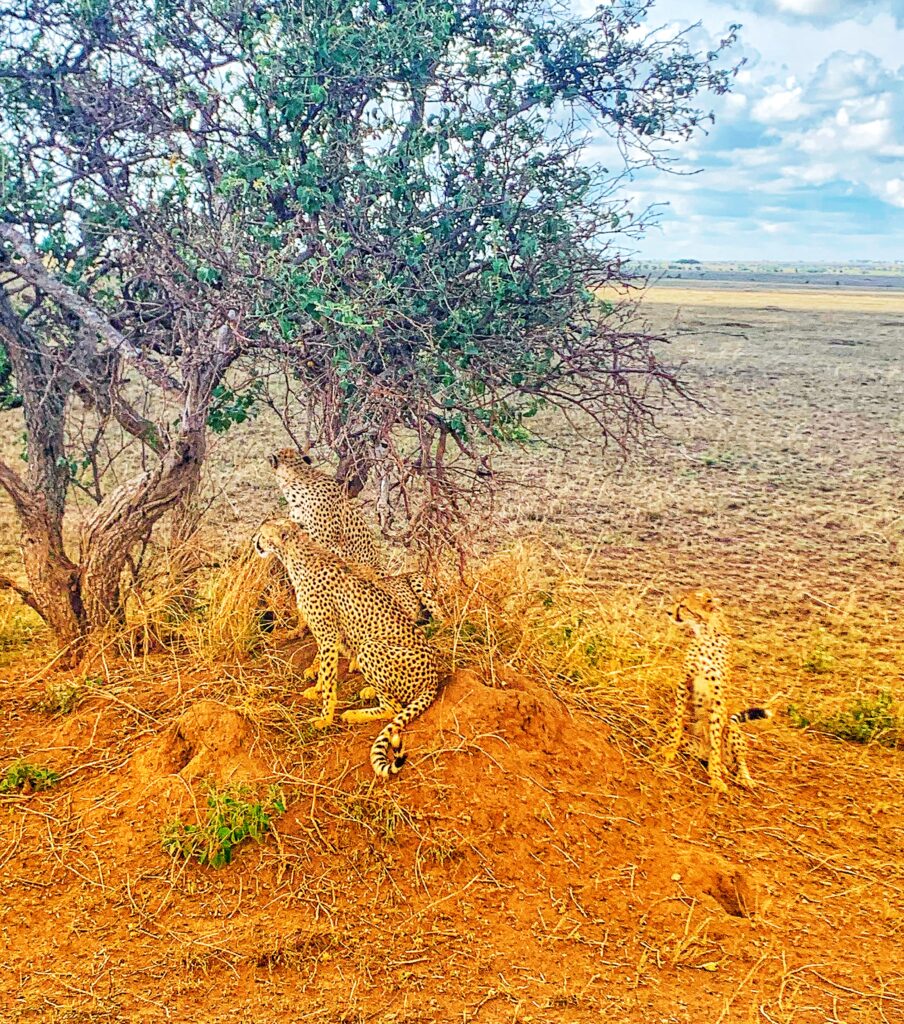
<point x="14" y="486"/>
<point x="32" y="269"/>
<point x="25" y="595"/>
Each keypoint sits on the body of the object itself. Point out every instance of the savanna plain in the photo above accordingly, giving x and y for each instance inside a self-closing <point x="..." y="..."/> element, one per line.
<point x="534" y="860"/>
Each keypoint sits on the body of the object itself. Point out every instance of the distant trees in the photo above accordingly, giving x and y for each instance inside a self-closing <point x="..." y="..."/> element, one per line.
<point x="385" y="200"/>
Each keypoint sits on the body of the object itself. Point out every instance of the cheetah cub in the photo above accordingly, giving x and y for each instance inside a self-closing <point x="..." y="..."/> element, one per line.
<point x="344" y="610"/>
<point x="700" y="709"/>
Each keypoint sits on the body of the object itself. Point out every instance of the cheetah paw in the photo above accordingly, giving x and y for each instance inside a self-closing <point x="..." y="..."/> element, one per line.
<point x="718" y="785"/>
<point x="321" y="723"/>
<point x="312" y="671"/>
<point x="367" y="693"/>
<point x="312" y="693"/>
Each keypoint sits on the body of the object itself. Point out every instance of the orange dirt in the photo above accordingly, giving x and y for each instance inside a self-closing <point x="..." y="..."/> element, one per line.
<point x="522" y="867"/>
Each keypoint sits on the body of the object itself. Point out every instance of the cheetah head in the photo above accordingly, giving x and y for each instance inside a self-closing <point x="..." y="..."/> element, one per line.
<point x="288" y="459"/>
<point x="273" y="537"/>
<point x="696" y="609"/>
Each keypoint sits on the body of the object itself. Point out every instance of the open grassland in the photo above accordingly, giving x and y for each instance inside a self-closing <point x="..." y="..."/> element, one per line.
<point x="779" y="299"/>
<point x="533" y="862"/>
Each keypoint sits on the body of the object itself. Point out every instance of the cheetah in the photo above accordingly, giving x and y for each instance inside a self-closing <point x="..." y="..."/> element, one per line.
<point x="411" y="593"/>
<point x="321" y="507"/>
<point x="341" y="608"/>
<point x="711" y="731"/>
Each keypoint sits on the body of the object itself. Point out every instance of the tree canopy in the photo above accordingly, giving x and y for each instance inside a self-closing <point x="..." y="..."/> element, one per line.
<point x="388" y="200"/>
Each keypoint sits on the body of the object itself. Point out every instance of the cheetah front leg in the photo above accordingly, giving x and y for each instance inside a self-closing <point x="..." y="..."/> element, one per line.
<point x="327" y="679"/>
<point x="682" y="697"/>
<point x="718" y="719"/>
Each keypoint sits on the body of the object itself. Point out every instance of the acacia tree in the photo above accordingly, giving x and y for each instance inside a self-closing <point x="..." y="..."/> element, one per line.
<point x="384" y="198"/>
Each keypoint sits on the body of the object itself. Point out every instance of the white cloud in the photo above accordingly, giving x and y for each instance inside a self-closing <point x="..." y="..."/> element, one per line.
<point x="894" y="191"/>
<point x="781" y="103"/>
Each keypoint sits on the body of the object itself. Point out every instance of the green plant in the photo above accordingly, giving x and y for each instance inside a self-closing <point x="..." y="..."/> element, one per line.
<point x="870" y="719"/>
<point x="23" y="777"/>
<point x="231" y="818"/>
<point x="819" y="659"/>
<point x="63" y="698"/>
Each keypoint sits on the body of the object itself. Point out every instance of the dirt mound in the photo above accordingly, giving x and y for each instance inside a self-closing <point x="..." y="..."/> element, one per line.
<point x="518" y="712"/>
<point x="209" y="741"/>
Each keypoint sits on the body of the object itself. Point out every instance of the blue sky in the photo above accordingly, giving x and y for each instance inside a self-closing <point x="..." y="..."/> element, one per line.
<point x="806" y="160"/>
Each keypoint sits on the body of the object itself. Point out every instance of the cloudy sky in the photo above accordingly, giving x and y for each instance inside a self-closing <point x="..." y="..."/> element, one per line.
<point x="806" y="160"/>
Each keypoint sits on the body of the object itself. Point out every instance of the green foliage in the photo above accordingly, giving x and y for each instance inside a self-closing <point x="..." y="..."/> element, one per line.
<point x="231" y="818"/>
<point x="819" y="659"/>
<point x="9" y="397"/>
<point x="391" y="202"/>
<point x="23" y="777"/>
<point x="870" y="719"/>
<point x="230" y="408"/>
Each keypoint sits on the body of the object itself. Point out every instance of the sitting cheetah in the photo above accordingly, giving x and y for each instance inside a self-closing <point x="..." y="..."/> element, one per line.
<point x="322" y="508"/>
<point x="410" y="592"/>
<point x="711" y="732"/>
<point x="341" y="607"/>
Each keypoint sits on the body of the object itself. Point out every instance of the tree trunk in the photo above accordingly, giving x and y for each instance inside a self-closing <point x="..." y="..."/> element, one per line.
<point x="125" y="518"/>
<point x="40" y="499"/>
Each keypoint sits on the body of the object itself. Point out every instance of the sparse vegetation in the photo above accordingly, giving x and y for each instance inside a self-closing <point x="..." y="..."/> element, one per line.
<point x="868" y="719"/>
<point x="819" y="659"/>
<point x="24" y="777"/>
<point x="233" y="816"/>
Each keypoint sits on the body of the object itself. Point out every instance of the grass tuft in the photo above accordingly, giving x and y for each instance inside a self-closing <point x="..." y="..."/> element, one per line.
<point x="871" y="719"/>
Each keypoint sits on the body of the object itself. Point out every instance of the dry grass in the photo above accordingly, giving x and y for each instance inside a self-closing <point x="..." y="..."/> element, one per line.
<point x="848" y="300"/>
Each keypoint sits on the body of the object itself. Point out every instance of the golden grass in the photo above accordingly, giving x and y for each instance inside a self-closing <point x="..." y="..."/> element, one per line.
<point x="826" y="300"/>
<point x="18" y="626"/>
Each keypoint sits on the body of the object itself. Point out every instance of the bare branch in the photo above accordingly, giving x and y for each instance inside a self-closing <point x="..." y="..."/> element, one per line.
<point x="26" y="596"/>
<point x="14" y="486"/>
<point x="32" y="269"/>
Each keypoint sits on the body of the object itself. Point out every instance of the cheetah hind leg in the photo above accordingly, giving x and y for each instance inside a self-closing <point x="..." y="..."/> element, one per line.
<point x="737" y="761"/>
<point x="378" y="714"/>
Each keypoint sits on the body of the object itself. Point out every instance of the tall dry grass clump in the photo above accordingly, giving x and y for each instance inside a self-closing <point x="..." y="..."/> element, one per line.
<point x="531" y="608"/>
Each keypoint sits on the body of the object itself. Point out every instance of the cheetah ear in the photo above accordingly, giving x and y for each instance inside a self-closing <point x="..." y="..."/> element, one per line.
<point x="273" y="459"/>
<point x="306" y="459"/>
<point x="709" y="599"/>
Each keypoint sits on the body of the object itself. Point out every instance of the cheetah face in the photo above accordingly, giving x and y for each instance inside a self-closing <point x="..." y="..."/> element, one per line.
<point x="695" y="609"/>
<point x="287" y="459"/>
<point x="272" y="538"/>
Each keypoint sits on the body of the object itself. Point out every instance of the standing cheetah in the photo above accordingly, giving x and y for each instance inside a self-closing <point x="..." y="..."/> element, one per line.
<point x="341" y="608"/>
<point x="700" y="709"/>
<point x="323" y="510"/>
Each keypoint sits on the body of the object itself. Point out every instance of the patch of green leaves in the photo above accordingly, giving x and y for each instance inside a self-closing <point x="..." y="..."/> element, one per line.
<point x="24" y="777"/>
<point x="819" y="659"/>
<point x="230" y="407"/>
<point x="9" y="397"/>
<point x="869" y="719"/>
<point x="232" y="817"/>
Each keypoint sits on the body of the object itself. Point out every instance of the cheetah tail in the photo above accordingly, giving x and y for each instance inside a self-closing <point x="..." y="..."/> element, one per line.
<point x="390" y="736"/>
<point x="751" y="715"/>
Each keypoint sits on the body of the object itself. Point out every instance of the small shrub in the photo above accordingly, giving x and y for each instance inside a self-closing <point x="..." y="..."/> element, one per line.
<point x="232" y="817"/>
<point x="819" y="660"/>
<point x="63" y="698"/>
<point x="867" y="720"/>
<point x="22" y="777"/>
